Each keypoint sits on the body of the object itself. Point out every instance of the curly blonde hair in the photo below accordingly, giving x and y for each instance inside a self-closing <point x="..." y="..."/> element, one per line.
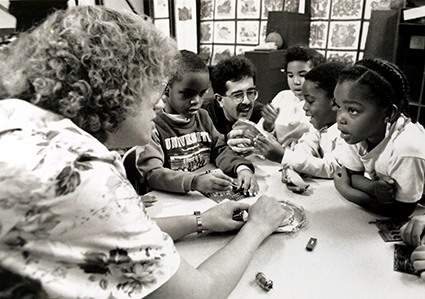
<point x="88" y="63"/>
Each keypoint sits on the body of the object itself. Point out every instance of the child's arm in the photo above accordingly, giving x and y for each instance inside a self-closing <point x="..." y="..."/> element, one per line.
<point x="349" y="184"/>
<point x="413" y="232"/>
<point x="233" y="164"/>
<point x="151" y="163"/>
<point x="382" y="189"/>
<point x="269" y="114"/>
<point x="270" y="148"/>
<point x="307" y="157"/>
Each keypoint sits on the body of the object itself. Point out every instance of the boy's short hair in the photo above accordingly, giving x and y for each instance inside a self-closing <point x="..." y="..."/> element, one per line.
<point x="326" y="76"/>
<point x="187" y="62"/>
<point x="234" y="68"/>
<point x="301" y="53"/>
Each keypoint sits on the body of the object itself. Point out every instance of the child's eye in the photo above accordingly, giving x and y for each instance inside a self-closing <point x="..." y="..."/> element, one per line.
<point x="203" y="93"/>
<point x="352" y="111"/>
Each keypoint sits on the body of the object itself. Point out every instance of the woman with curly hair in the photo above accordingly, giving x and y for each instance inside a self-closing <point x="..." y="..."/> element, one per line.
<point x="71" y="224"/>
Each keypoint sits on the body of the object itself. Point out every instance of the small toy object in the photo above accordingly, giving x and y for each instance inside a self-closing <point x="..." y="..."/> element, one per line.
<point x="263" y="281"/>
<point x="294" y="181"/>
<point x="311" y="244"/>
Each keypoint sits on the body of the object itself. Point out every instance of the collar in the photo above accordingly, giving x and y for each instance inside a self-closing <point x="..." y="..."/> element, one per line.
<point x="177" y="117"/>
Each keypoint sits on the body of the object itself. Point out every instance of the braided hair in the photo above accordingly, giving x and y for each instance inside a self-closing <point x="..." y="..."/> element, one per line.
<point x="386" y="81"/>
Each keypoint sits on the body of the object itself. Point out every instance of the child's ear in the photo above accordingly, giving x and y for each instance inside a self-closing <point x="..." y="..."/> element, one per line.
<point x="219" y="99"/>
<point x="166" y="91"/>
<point x="392" y="113"/>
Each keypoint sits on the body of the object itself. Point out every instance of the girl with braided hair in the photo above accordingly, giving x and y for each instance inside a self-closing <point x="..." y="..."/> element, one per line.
<point x="384" y="162"/>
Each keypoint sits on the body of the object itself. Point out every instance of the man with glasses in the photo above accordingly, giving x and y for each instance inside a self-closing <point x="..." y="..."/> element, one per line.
<point x="233" y="83"/>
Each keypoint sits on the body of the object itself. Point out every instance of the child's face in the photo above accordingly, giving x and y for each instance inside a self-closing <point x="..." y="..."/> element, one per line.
<point x="232" y="109"/>
<point x="358" y="117"/>
<point x="296" y="71"/>
<point x="185" y="96"/>
<point x="318" y="106"/>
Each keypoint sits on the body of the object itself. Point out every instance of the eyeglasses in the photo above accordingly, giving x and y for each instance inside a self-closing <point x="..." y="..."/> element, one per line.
<point x="238" y="97"/>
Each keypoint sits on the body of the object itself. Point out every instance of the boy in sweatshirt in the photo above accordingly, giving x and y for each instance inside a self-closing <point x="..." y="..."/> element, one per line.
<point x="185" y="140"/>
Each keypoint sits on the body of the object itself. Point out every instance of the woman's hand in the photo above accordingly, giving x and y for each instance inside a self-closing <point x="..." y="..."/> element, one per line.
<point x="412" y="233"/>
<point x="266" y="214"/>
<point x="248" y="182"/>
<point x="219" y="217"/>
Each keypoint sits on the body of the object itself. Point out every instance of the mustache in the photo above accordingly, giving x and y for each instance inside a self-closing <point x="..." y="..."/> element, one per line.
<point x="243" y="107"/>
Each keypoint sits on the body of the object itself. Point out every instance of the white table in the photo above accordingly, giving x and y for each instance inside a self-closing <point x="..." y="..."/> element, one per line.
<point x="350" y="259"/>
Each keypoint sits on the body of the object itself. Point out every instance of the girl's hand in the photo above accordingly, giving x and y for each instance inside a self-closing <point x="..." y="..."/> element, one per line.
<point x="418" y="259"/>
<point x="248" y="182"/>
<point x="342" y="178"/>
<point x="270" y="148"/>
<point x="212" y="181"/>
<point x="269" y="114"/>
<point x="219" y="217"/>
<point x="384" y="190"/>
<point x="412" y="233"/>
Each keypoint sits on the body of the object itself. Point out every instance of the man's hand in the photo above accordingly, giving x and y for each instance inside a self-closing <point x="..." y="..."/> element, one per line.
<point x="240" y="143"/>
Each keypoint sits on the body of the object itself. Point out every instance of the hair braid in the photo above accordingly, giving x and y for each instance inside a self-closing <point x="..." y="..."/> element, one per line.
<point x="385" y="79"/>
<point x="395" y="78"/>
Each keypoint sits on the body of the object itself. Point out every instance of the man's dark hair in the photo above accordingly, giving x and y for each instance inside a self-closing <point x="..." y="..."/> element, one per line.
<point x="234" y="68"/>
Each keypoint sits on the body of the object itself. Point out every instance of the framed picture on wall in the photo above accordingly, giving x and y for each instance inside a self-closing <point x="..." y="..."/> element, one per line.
<point x="206" y="51"/>
<point x="320" y="9"/>
<point x="206" y="9"/>
<point x="186" y="24"/>
<point x="263" y="31"/>
<point x="247" y="32"/>
<point x="271" y="5"/>
<point x="161" y="8"/>
<point x="163" y="25"/>
<point x="318" y="34"/>
<point x="224" y="32"/>
<point x="206" y="32"/>
<point x="347" y="58"/>
<point x="240" y="50"/>
<point x="344" y="35"/>
<point x="224" y="9"/>
<point x="248" y="9"/>
<point x="346" y="9"/>
<point x="221" y="52"/>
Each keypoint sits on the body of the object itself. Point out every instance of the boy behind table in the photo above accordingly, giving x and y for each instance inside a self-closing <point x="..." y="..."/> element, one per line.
<point x="185" y="139"/>
<point x="313" y="154"/>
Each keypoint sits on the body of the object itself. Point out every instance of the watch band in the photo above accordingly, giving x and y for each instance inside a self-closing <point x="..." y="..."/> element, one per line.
<point x="198" y="221"/>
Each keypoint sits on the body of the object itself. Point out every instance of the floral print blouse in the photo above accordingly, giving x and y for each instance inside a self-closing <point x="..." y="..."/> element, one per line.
<point x="68" y="217"/>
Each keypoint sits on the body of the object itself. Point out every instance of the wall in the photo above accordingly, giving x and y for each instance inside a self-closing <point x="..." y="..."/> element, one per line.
<point x="338" y="27"/>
